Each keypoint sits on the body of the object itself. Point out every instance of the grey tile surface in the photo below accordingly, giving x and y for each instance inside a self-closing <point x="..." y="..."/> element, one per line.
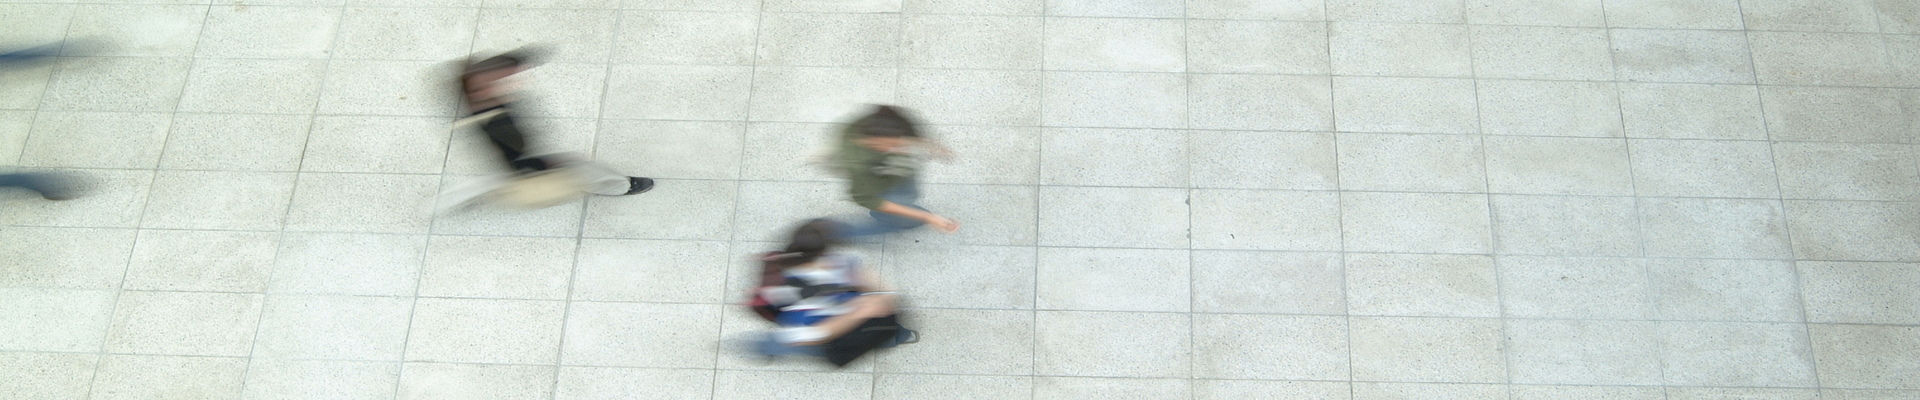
<point x="1418" y="163"/>
<point x="594" y="383"/>
<point x="1680" y="111"/>
<point x="1439" y="12"/>
<point x="1316" y="348"/>
<point x="972" y="96"/>
<point x="313" y="379"/>
<point x="1659" y="55"/>
<point x="199" y="141"/>
<point x="184" y="323"/>
<point x="268" y="32"/>
<point x="48" y="375"/>
<point x="623" y="334"/>
<point x="955" y="41"/>
<point x="95" y="140"/>
<point x="485" y="331"/>
<point x="1736" y="354"/>
<point x="333" y="327"/>
<point x="1074" y="344"/>
<point x="1263" y="160"/>
<point x="498" y="267"/>
<point x="1114" y="44"/>
<point x="1813" y="16"/>
<point x="253" y="86"/>
<point x="1114" y="217"/>
<point x="1558" y="166"/>
<point x="1866" y="356"/>
<point x="1549" y="108"/>
<point x="1675" y="14"/>
<point x="1422" y="285"/>
<point x="1113" y="157"/>
<point x="218" y="200"/>
<point x="1847" y="171"/>
<point x="1408" y="105"/>
<point x="1400" y="49"/>
<point x="1405" y="349"/>
<point x="193" y="260"/>
<point x="1288" y="103"/>
<point x="1584" y="352"/>
<point x="1268" y="282"/>
<point x="911" y="386"/>
<point x="1864" y="293"/>
<point x="1875" y="231"/>
<point x="1113" y="280"/>
<point x="672" y="37"/>
<point x="1284" y="47"/>
<point x="168" y="377"/>
<point x="1111" y="99"/>
<point x="475" y="381"/>
<point x="1735" y="290"/>
<point x="1822" y="114"/>
<point x="1011" y="331"/>
<point x="1575" y="288"/>
<point x="348" y="264"/>
<point x="55" y="319"/>
<point x="1565" y="225"/>
<point x="1415" y="222"/>
<point x="1546" y="13"/>
<point x="1675" y="227"/>
<point x="1698" y="168"/>
<point x="1805" y="58"/>
<point x="1541" y="53"/>
<point x="1209" y="199"/>
<point x="1266" y="220"/>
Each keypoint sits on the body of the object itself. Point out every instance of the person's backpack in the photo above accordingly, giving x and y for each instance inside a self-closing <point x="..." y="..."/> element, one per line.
<point x="770" y="275"/>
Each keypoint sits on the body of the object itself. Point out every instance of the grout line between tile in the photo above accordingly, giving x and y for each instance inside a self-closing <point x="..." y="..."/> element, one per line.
<point x="1493" y="221"/>
<point x="286" y="212"/>
<point x="1793" y="256"/>
<point x="1039" y="155"/>
<point x="126" y="265"/>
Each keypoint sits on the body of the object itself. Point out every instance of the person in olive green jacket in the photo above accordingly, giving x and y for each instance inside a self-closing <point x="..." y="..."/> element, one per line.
<point x="876" y="155"/>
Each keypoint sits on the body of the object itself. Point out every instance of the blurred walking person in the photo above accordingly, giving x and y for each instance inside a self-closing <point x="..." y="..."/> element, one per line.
<point x="878" y="155"/>
<point x="825" y="304"/>
<point x="50" y="186"/>
<point x="537" y="180"/>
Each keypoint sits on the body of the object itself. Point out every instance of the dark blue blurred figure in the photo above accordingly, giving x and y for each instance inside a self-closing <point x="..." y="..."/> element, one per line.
<point x="51" y="186"/>
<point x="29" y="54"/>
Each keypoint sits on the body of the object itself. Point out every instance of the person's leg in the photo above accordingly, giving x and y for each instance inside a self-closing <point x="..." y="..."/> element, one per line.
<point x="905" y="193"/>
<point x="23" y="181"/>
<point x="605" y="181"/>
<point x="768" y="346"/>
<point x="30" y="54"/>
<point x="506" y="136"/>
<point x="49" y="186"/>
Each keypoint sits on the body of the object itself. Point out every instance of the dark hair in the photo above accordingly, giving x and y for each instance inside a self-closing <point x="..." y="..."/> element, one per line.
<point x="512" y="59"/>
<point x="810" y="241"/>
<point x="887" y="122"/>
<point x="515" y="58"/>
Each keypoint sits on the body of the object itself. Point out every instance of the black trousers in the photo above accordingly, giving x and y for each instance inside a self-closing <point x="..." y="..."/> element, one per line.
<point x="506" y="136"/>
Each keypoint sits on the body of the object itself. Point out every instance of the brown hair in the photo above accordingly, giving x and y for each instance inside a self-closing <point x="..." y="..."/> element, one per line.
<point x="810" y="240"/>
<point x="887" y="121"/>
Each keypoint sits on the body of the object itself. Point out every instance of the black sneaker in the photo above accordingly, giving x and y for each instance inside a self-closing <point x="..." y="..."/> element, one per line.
<point x="913" y="336"/>
<point x="638" y="185"/>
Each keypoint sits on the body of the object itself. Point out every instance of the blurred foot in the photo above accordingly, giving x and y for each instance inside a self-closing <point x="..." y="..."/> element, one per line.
<point x="638" y="185"/>
<point x="30" y="54"/>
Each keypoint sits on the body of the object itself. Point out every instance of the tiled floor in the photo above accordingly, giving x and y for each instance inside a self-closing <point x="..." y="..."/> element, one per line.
<point x="1162" y="199"/>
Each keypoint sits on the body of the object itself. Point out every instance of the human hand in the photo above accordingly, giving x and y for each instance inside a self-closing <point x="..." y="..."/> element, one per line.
<point x="943" y="224"/>
<point x="940" y="153"/>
